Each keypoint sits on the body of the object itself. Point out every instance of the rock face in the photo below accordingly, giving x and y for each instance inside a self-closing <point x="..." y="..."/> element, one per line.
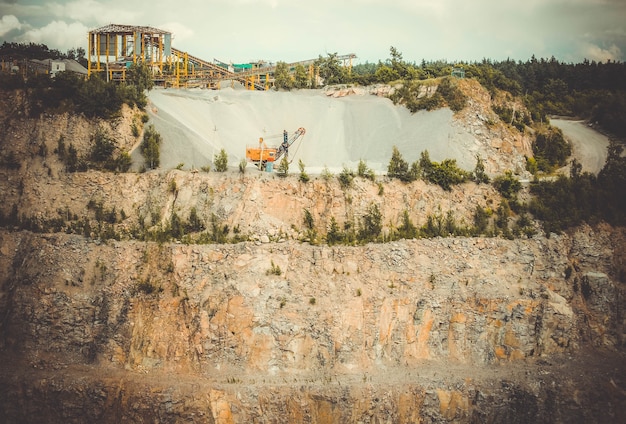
<point x="275" y="329"/>
<point x="439" y="330"/>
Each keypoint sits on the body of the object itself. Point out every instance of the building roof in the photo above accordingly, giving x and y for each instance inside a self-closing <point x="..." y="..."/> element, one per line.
<point x="127" y="29"/>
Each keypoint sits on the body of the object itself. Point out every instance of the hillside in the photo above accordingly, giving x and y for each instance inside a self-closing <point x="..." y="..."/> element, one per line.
<point x="344" y="125"/>
<point x="106" y="315"/>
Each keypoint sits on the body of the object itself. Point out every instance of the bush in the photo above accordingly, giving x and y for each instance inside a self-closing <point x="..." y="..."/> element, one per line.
<point x="283" y="167"/>
<point x="454" y="97"/>
<point x="274" y="269"/>
<point x="407" y="230"/>
<point x="243" y="163"/>
<point x="371" y="224"/>
<point x="399" y="168"/>
<point x="446" y="174"/>
<point x="550" y="148"/>
<point x="221" y="161"/>
<point x="479" y="172"/>
<point x="364" y="172"/>
<point x="102" y="148"/>
<point x="150" y="147"/>
<point x="507" y="185"/>
<point x="345" y="177"/>
<point x="304" y="177"/>
<point x="334" y="234"/>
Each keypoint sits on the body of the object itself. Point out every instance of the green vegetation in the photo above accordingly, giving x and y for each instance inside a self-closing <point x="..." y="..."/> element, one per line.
<point x="566" y="202"/>
<point x="150" y="147"/>
<point x="445" y="174"/>
<point x="220" y="161"/>
<point x="345" y="178"/>
<point x="103" y="154"/>
<point x="550" y="149"/>
<point x="274" y="269"/>
<point x="364" y="172"/>
<point x="282" y="79"/>
<point x="283" y="167"/>
<point x="304" y="177"/>
<point x="243" y="163"/>
<point x="507" y="185"/>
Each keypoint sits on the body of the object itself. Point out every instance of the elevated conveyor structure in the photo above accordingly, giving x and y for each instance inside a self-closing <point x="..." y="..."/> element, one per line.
<point x="113" y="49"/>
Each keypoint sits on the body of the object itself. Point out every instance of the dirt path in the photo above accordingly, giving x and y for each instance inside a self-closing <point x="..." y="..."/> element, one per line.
<point x="589" y="147"/>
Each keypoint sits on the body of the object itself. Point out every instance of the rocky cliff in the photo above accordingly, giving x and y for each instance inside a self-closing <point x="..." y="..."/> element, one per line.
<point x="98" y="325"/>
<point x="422" y="330"/>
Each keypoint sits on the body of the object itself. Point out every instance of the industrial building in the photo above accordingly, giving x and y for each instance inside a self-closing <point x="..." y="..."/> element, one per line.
<point x="112" y="49"/>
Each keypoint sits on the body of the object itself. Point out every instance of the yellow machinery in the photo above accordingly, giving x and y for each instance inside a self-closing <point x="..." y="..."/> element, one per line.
<point x="264" y="156"/>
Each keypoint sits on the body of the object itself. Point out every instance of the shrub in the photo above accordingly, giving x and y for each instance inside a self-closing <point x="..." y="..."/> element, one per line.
<point x="371" y="224"/>
<point x="550" y="148"/>
<point x="345" y="177"/>
<point x="194" y="224"/>
<point x="221" y="161"/>
<point x="334" y="234"/>
<point x="274" y="269"/>
<point x="102" y="148"/>
<point x="479" y="175"/>
<point x="407" y="230"/>
<point x="507" y="185"/>
<point x="304" y="177"/>
<point x="283" y="167"/>
<point x="150" y="147"/>
<point x="364" y="172"/>
<point x="398" y="167"/>
<point x="326" y="174"/>
<point x="453" y="96"/>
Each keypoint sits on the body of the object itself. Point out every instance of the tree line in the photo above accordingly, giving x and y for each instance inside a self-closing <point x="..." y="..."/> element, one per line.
<point x="591" y="90"/>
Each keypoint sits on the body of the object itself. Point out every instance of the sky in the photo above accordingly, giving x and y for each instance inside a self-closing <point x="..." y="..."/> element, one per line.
<point x="239" y="31"/>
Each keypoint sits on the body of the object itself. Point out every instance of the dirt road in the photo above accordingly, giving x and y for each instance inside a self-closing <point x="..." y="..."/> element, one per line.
<point x="589" y="146"/>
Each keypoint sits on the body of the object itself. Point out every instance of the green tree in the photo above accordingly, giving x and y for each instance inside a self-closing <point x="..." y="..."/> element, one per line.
<point x="345" y="177"/>
<point x="102" y="148"/>
<point x="480" y="176"/>
<point x="330" y="70"/>
<point x="364" y="172"/>
<point x="407" y="230"/>
<point x="481" y="220"/>
<point x="282" y="79"/>
<point x="398" y="167"/>
<point x="507" y="185"/>
<point x="283" y="167"/>
<point x="386" y="74"/>
<point x="334" y="234"/>
<point x="371" y="224"/>
<point x="220" y="161"/>
<point x="301" y="79"/>
<point x="550" y="148"/>
<point x="194" y="223"/>
<point x="150" y="147"/>
<point x="140" y="75"/>
<point x="304" y="177"/>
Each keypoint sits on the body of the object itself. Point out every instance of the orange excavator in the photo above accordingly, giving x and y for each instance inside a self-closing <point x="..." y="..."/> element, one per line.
<point x="264" y="156"/>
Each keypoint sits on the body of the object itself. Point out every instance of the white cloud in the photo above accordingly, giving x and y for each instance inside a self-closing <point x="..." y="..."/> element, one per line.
<point x="180" y="31"/>
<point x="599" y="54"/>
<point x="92" y="11"/>
<point x="58" y="35"/>
<point x="8" y="23"/>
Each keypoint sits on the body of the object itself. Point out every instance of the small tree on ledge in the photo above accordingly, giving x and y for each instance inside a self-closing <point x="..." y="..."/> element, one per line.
<point x="283" y="168"/>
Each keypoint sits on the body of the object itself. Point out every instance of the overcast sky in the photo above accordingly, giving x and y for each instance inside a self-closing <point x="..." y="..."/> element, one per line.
<point x="292" y="30"/>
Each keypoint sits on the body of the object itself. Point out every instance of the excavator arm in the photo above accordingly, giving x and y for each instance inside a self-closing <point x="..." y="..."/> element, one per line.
<point x="283" y="149"/>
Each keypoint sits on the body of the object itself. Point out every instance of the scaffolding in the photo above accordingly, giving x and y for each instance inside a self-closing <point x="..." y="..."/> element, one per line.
<point x="114" y="48"/>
